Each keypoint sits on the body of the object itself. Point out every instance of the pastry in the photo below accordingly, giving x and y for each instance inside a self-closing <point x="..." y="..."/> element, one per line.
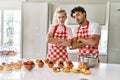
<point x="70" y="65"/>
<point x="37" y="60"/>
<point x="17" y="66"/>
<point x="40" y="63"/>
<point x="1" y="67"/>
<point x="50" y="64"/>
<point x="66" y="69"/>
<point x="53" y="60"/>
<point x="76" y="70"/>
<point x="86" y="71"/>
<point x="8" y="67"/>
<point x="56" y="69"/>
<point x="68" y="61"/>
<point x="46" y="60"/>
<point x="81" y="66"/>
<point x="61" y="64"/>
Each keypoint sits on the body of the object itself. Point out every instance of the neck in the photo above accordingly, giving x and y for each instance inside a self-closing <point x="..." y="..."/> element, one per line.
<point x="84" y="23"/>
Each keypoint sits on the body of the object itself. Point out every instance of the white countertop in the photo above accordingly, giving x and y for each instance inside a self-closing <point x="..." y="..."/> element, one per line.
<point x="102" y="72"/>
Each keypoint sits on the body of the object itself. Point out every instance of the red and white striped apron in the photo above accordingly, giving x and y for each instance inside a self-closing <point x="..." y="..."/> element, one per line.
<point x="55" y="51"/>
<point x="84" y="33"/>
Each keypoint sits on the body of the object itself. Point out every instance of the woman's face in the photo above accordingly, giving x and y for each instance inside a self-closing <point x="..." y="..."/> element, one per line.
<point x="79" y="17"/>
<point x="61" y="17"/>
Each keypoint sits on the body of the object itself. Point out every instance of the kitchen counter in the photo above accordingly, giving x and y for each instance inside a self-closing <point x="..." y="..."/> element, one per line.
<point x="102" y="71"/>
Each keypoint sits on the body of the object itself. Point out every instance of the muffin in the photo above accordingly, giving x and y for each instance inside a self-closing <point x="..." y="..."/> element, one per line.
<point x="50" y="64"/>
<point x="8" y="67"/>
<point x="56" y="69"/>
<point x="68" y="61"/>
<point x="1" y="67"/>
<point x="40" y="63"/>
<point x="46" y="60"/>
<point x="53" y="60"/>
<point x="70" y="65"/>
<point x="17" y="66"/>
<point x="61" y="64"/>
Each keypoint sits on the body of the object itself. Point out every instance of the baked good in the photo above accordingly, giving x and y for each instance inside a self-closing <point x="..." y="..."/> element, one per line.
<point x="76" y="70"/>
<point x="40" y="63"/>
<point x="50" y="64"/>
<point x="8" y="67"/>
<point x="37" y="60"/>
<point x="66" y="69"/>
<point x="1" y="67"/>
<point x="53" y="60"/>
<point x="46" y="60"/>
<point x="86" y="71"/>
<point x="68" y="61"/>
<point x="61" y="64"/>
<point x="82" y="66"/>
<point x="70" y="65"/>
<point x="56" y="69"/>
<point x="17" y="66"/>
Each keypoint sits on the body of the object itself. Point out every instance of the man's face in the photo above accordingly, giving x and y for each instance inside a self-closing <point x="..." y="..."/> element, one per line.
<point x="79" y="17"/>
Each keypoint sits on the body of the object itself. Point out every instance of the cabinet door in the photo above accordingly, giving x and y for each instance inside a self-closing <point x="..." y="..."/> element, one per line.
<point x="35" y="16"/>
<point x="114" y="33"/>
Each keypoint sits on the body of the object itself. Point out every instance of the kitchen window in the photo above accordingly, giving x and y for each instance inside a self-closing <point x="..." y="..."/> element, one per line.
<point x="10" y="29"/>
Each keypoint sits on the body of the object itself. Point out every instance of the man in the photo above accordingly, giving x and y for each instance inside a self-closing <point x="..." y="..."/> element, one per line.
<point x="87" y="35"/>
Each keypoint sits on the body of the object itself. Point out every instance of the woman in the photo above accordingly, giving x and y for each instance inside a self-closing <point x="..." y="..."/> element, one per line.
<point x="59" y="36"/>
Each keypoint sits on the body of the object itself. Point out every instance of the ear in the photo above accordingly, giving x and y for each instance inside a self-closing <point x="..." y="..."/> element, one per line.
<point x="84" y="14"/>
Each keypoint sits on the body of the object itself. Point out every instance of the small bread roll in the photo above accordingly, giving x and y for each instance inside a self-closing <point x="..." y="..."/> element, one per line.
<point x="8" y="67"/>
<point x="1" y="67"/>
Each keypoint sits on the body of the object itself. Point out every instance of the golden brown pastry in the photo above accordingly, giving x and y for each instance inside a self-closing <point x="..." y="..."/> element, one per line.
<point x="70" y="65"/>
<point x="56" y="69"/>
<point x="8" y="67"/>
<point x="40" y="63"/>
<point x="50" y="64"/>
<point x="46" y="60"/>
<point x="61" y="64"/>
<point x="17" y="66"/>
<point x="66" y="69"/>
<point x="1" y="67"/>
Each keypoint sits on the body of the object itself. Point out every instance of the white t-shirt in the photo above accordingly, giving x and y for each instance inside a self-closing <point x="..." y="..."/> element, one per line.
<point x="93" y="28"/>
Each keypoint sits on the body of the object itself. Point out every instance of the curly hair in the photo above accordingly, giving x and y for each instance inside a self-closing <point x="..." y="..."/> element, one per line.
<point x="78" y="9"/>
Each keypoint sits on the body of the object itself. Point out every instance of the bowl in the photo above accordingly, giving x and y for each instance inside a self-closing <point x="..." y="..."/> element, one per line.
<point x="89" y="60"/>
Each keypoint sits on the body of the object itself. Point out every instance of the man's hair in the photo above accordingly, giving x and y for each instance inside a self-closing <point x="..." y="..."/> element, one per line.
<point x="78" y="9"/>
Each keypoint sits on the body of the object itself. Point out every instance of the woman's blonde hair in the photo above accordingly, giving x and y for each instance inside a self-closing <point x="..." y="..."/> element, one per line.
<point x="58" y="10"/>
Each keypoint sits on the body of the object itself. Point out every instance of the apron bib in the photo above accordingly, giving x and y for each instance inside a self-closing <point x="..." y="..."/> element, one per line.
<point x="83" y="33"/>
<point x="55" y="51"/>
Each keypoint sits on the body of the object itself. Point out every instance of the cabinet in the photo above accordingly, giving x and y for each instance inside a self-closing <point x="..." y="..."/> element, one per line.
<point x="34" y="22"/>
<point x="114" y="33"/>
<point x="95" y="12"/>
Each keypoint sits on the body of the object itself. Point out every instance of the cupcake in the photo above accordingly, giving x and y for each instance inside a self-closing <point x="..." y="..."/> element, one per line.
<point x="40" y="63"/>
<point x="61" y="64"/>
<point x="70" y="65"/>
<point x="1" y="67"/>
<point x="8" y="67"/>
<point x="46" y="60"/>
<point x="17" y="66"/>
<point x="50" y="64"/>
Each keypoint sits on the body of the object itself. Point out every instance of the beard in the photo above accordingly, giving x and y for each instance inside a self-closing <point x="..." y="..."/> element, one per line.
<point x="82" y="21"/>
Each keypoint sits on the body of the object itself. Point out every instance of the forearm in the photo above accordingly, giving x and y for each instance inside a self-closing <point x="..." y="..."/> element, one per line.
<point x="54" y="40"/>
<point x="88" y="41"/>
<point x="77" y="45"/>
<point x="93" y="40"/>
